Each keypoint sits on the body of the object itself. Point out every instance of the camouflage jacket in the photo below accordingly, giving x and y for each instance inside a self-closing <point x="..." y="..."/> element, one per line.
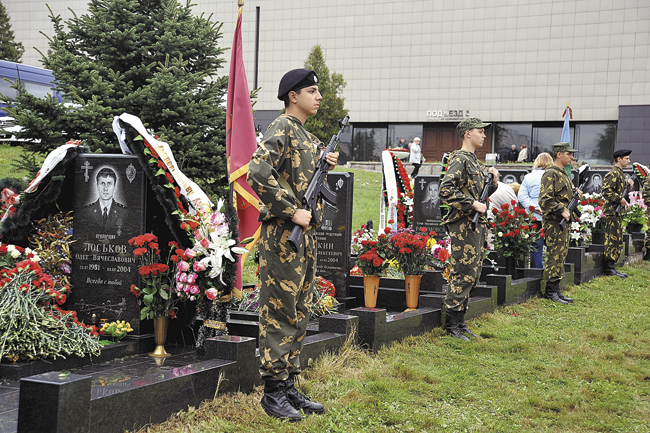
<point x="286" y="150"/>
<point x="646" y="193"/>
<point x="555" y="193"/>
<point x="462" y="185"/>
<point x="613" y="187"/>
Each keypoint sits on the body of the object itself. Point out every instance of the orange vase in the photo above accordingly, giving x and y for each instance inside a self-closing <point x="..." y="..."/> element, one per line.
<point x="370" y="289"/>
<point x="412" y="283"/>
<point x="160" y="325"/>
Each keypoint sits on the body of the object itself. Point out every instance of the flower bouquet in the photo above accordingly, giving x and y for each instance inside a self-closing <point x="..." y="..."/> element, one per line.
<point x="410" y="249"/>
<point x="441" y="255"/>
<point x="363" y="234"/>
<point x="156" y="281"/>
<point x="591" y="209"/>
<point x="515" y="230"/>
<point x="374" y="255"/>
<point x="117" y="330"/>
<point x="635" y="218"/>
<point x="206" y="270"/>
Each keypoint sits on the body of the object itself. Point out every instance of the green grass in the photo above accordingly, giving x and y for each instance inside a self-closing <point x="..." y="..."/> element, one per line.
<point x="8" y="156"/>
<point x="540" y="367"/>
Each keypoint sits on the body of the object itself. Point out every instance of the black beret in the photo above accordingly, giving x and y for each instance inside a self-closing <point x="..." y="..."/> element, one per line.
<point x="296" y="79"/>
<point x="620" y="153"/>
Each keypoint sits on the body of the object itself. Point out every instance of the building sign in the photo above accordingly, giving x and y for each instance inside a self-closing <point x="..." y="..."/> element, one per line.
<point x="447" y="115"/>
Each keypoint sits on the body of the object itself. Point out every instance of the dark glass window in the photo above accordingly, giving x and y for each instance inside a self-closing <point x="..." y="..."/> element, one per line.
<point x="508" y="134"/>
<point x="367" y="143"/>
<point x="595" y="142"/>
<point x="407" y="132"/>
<point x="545" y="137"/>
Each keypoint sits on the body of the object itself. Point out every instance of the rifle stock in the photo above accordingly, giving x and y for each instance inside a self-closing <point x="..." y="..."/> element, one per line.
<point x="317" y="188"/>
<point x="484" y="195"/>
<point x="626" y="192"/>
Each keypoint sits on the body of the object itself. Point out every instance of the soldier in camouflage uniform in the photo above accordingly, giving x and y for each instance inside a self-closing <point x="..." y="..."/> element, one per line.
<point x="555" y="194"/>
<point x="461" y="189"/>
<point x="280" y="171"/>
<point x="613" y="187"/>
<point x="646" y="198"/>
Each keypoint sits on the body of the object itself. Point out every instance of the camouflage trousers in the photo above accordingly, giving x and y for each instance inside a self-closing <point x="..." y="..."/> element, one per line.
<point x="467" y="251"/>
<point x="557" y="247"/>
<point x="613" y="238"/>
<point x="286" y="293"/>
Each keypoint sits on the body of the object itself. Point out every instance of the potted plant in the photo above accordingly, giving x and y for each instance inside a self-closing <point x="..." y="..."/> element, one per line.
<point x="412" y="252"/>
<point x="515" y="233"/>
<point x="373" y="262"/>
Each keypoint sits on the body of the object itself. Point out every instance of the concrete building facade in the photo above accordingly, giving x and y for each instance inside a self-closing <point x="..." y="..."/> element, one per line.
<point x="416" y="68"/>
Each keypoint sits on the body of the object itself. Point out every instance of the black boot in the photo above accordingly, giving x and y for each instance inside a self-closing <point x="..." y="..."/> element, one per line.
<point x="609" y="269"/>
<point x="646" y="256"/>
<point x="462" y="326"/>
<point x="552" y="290"/>
<point x="276" y="403"/>
<point x="452" y="319"/>
<point x="564" y="298"/>
<point x="298" y="401"/>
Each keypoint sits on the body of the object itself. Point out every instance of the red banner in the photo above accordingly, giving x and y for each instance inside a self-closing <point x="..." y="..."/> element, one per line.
<point x="241" y="142"/>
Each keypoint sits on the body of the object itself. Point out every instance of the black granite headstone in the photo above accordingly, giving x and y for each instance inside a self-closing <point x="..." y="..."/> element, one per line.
<point x="335" y="234"/>
<point x="109" y="209"/>
<point x="426" y="204"/>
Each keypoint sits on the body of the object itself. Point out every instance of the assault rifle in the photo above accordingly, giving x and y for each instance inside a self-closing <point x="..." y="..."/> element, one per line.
<point x="575" y="200"/>
<point x="317" y="188"/>
<point x="484" y="195"/>
<point x="640" y="171"/>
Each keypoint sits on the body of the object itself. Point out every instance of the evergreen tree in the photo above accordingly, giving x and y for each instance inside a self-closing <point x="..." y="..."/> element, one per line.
<point x="9" y="49"/>
<point x="326" y="122"/>
<point x="152" y="59"/>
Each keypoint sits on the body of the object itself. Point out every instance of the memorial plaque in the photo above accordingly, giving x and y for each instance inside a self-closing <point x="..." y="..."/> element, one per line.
<point x="426" y="204"/>
<point x="509" y="176"/>
<point x="335" y="234"/>
<point x="109" y="209"/>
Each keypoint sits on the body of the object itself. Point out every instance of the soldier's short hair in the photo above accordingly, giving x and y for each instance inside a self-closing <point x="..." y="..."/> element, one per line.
<point x="106" y="172"/>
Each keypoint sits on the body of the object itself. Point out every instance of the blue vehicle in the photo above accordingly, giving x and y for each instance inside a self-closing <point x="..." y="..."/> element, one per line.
<point x="37" y="81"/>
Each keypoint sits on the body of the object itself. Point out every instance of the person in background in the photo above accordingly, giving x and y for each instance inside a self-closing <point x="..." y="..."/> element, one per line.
<point x="529" y="196"/>
<point x="513" y="154"/>
<point x="613" y="187"/>
<point x="523" y="154"/>
<point x="402" y="144"/>
<point x="415" y="156"/>
<point x="504" y="194"/>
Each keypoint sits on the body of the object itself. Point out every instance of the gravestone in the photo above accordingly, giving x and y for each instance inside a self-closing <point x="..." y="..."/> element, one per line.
<point x="103" y="266"/>
<point x="426" y="204"/>
<point x="335" y="234"/>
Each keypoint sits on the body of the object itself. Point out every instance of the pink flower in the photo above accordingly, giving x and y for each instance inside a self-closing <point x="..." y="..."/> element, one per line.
<point x="199" y="267"/>
<point x="191" y="278"/>
<point x="180" y="287"/>
<point x="190" y="253"/>
<point x="183" y="266"/>
<point x="194" y="289"/>
<point x="204" y="243"/>
<point x="211" y="294"/>
<point x="182" y="278"/>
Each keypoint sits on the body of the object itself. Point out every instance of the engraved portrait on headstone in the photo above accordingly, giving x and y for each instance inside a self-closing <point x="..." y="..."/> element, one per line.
<point x="431" y="202"/>
<point x="105" y="214"/>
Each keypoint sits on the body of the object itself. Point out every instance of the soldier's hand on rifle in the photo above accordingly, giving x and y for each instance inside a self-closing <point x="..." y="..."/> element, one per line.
<point x="495" y="178"/>
<point x="302" y="217"/>
<point x="579" y="193"/>
<point x="631" y="183"/>
<point x="623" y="203"/>
<point x="332" y="158"/>
<point x="566" y="215"/>
<point x="479" y="207"/>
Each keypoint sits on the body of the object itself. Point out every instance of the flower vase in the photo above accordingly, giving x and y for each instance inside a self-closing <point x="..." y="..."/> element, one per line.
<point x="370" y="289"/>
<point x="511" y="266"/>
<point x="160" y="325"/>
<point x="412" y="283"/>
